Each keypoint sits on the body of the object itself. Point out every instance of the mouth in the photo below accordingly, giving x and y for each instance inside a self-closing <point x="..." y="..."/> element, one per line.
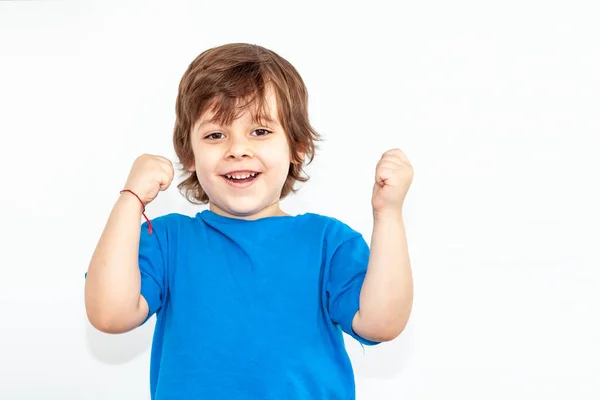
<point x="241" y="179"/>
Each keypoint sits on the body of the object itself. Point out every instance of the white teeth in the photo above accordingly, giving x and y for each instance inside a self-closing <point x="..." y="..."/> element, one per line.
<point x="240" y="176"/>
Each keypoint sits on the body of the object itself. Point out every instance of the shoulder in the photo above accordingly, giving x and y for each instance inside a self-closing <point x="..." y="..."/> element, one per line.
<point x="335" y="231"/>
<point x="172" y="219"/>
<point x="342" y="245"/>
<point x="167" y="224"/>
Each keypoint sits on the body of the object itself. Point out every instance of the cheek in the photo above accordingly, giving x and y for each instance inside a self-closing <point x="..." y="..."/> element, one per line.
<point x="205" y="167"/>
<point x="277" y="155"/>
<point x="279" y="165"/>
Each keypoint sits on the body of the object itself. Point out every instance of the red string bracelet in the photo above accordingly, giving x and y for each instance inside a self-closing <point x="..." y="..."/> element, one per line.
<point x="143" y="209"/>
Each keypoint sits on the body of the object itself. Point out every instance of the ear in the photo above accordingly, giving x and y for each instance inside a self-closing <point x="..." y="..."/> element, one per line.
<point x="191" y="167"/>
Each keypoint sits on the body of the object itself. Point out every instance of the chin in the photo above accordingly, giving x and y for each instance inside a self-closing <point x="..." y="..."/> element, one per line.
<point x="240" y="209"/>
<point x="241" y="212"/>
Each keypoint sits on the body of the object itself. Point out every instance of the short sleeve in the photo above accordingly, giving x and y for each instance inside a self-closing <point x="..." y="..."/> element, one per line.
<point x="152" y="262"/>
<point x="348" y="267"/>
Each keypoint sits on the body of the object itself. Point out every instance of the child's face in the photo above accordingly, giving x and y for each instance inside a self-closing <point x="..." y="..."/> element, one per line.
<point x="242" y="167"/>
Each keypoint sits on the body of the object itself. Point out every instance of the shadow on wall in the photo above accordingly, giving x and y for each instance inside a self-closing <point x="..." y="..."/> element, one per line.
<point x="122" y="348"/>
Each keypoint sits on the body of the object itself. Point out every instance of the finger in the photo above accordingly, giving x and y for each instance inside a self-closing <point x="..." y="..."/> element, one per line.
<point x="391" y="163"/>
<point x="396" y="154"/>
<point x="165" y="182"/>
<point x="391" y="172"/>
<point x="171" y="171"/>
<point x="165" y="163"/>
<point x="385" y="171"/>
<point x="393" y="152"/>
<point x="167" y="173"/>
<point x="398" y="162"/>
<point x="164" y="160"/>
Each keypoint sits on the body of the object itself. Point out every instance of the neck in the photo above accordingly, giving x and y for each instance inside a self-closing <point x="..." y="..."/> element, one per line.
<point x="273" y="210"/>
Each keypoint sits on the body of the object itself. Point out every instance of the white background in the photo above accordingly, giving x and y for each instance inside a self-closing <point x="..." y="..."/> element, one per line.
<point x="496" y="104"/>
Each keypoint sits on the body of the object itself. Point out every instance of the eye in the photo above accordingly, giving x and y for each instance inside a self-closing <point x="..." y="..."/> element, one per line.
<point x="261" y="132"/>
<point x="215" y="136"/>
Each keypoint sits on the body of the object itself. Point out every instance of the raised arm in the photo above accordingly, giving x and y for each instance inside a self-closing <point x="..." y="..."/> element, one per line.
<point x="113" y="284"/>
<point x="386" y="296"/>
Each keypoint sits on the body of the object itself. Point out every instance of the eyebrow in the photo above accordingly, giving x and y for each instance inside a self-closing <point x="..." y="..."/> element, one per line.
<point x="214" y="122"/>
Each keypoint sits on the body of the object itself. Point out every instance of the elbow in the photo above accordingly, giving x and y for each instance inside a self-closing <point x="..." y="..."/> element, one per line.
<point x="379" y="329"/>
<point x="103" y="323"/>
<point x="102" y="326"/>
<point x="106" y="321"/>
<point x="111" y="317"/>
<point x="109" y="325"/>
<point x="384" y="333"/>
<point x="388" y="334"/>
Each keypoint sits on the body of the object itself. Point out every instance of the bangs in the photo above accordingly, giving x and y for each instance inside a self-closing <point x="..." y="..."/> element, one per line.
<point x="225" y="109"/>
<point x="226" y="95"/>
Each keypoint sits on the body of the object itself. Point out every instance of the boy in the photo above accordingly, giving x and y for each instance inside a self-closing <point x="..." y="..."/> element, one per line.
<point x="250" y="301"/>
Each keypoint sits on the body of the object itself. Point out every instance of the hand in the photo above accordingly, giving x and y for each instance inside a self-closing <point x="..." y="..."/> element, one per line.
<point x="393" y="177"/>
<point x="149" y="175"/>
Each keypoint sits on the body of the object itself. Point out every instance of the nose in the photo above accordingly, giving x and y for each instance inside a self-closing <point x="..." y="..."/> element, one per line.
<point x="239" y="147"/>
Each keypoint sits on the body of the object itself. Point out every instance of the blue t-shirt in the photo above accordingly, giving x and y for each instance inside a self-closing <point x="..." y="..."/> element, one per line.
<point x="251" y="309"/>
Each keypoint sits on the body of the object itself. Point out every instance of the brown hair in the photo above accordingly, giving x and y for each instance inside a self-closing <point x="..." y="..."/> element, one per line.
<point x="226" y="80"/>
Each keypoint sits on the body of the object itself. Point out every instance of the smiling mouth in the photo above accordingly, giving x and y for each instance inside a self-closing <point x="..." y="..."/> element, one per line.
<point x="240" y="178"/>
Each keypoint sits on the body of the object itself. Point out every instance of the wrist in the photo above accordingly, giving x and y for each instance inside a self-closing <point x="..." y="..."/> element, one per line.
<point x="387" y="216"/>
<point x="133" y="197"/>
<point x="130" y="200"/>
